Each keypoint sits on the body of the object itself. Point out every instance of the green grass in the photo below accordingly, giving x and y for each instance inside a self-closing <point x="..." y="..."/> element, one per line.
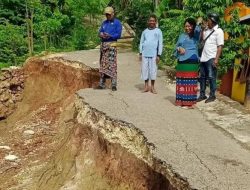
<point x="4" y="65"/>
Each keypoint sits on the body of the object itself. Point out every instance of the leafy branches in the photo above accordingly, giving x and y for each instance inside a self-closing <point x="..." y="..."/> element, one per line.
<point x="171" y="30"/>
<point x="202" y="8"/>
<point x="37" y="25"/>
<point x="236" y="43"/>
<point x="13" y="46"/>
<point x="135" y="13"/>
<point x="171" y="20"/>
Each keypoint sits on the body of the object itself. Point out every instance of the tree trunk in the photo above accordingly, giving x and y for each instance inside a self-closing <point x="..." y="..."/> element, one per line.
<point x="179" y="4"/>
<point x="45" y="41"/>
<point x="32" y="31"/>
<point x="29" y="15"/>
<point x="28" y="28"/>
<point x="156" y="2"/>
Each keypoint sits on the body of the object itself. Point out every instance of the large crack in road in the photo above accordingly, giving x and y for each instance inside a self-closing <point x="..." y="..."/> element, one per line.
<point x="61" y="142"/>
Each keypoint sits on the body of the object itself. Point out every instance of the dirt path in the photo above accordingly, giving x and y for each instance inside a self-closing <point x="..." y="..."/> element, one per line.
<point x="210" y="158"/>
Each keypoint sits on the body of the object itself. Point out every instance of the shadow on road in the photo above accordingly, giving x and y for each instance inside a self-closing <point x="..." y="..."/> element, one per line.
<point x="140" y="87"/>
<point x="170" y="99"/>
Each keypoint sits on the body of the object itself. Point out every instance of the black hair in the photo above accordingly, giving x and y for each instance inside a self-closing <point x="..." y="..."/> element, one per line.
<point x="152" y="16"/>
<point x="192" y="22"/>
<point x="214" y="18"/>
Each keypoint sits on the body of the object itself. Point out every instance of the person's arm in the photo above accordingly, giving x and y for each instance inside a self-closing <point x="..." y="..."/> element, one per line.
<point x="220" y="43"/>
<point x="218" y="54"/>
<point x="118" y="31"/>
<point x="141" y="43"/>
<point x="178" y="47"/>
<point x="101" y="31"/>
<point x="160" y="46"/>
<point x="197" y="32"/>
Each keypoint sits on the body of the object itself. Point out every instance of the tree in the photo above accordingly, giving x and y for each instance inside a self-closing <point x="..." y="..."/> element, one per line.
<point x="202" y="8"/>
<point x="12" y="44"/>
<point x="29" y="15"/>
<point x="13" y="11"/>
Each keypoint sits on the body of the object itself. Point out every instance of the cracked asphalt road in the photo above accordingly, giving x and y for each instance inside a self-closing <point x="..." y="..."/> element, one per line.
<point x="206" y="156"/>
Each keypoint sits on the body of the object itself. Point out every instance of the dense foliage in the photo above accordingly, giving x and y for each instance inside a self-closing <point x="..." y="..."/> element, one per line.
<point x="171" y="23"/>
<point x="137" y="15"/>
<point x="172" y="13"/>
<point x="29" y="27"/>
<point x="233" y="48"/>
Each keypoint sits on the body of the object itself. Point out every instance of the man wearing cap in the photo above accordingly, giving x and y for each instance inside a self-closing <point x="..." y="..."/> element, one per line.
<point x="109" y="33"/>
<point x="210" y="57"/>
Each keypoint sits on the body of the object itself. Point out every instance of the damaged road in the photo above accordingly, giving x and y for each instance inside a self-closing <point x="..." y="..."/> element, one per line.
<point x="66" y="135"/>
<point x="52" y="139"/>
<point x="185" y="139"/>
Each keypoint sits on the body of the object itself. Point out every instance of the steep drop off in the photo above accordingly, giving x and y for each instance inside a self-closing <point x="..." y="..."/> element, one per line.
<point x="71" y="145"/>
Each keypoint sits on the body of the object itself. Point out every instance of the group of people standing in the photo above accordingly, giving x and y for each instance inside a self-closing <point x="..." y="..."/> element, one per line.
<point x="191" y="65"/>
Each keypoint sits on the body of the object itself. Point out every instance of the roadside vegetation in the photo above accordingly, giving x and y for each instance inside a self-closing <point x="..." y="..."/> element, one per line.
<point x="33" y="27"/>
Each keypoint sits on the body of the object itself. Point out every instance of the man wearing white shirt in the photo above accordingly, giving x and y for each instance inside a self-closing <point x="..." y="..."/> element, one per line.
<point x="210" y="57"/>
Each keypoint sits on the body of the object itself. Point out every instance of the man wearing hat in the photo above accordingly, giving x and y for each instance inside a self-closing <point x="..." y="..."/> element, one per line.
<point x="109" y="33"/>
<point x="214" y="41"/>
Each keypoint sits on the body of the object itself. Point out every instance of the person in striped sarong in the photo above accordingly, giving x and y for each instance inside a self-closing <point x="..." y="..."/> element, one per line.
<point x="188" y="65"/>
<point x="110" y="31"/>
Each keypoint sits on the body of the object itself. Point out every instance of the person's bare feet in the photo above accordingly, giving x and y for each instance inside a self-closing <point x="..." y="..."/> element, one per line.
<point x="145" y="90"/>
<point x="187" y="107"/>
<point x="153" y="91"/>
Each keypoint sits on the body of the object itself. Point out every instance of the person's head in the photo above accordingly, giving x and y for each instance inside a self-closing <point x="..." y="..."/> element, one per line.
<point x="109" y="13"/>
<point x="189" y="26"/>
<point x="152" y="20"/>
<point x="212" y="20"/>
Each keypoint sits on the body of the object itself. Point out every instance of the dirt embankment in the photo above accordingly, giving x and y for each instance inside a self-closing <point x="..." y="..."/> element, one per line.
<point x="11" y="87"/>
<point x="60" y="142"/>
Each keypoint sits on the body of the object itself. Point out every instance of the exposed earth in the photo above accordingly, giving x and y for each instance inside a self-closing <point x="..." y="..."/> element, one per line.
<point x="62" y="134"/>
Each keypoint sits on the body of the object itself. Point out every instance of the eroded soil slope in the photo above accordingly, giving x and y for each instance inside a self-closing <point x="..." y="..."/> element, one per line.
<point x="54" y="145"/>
